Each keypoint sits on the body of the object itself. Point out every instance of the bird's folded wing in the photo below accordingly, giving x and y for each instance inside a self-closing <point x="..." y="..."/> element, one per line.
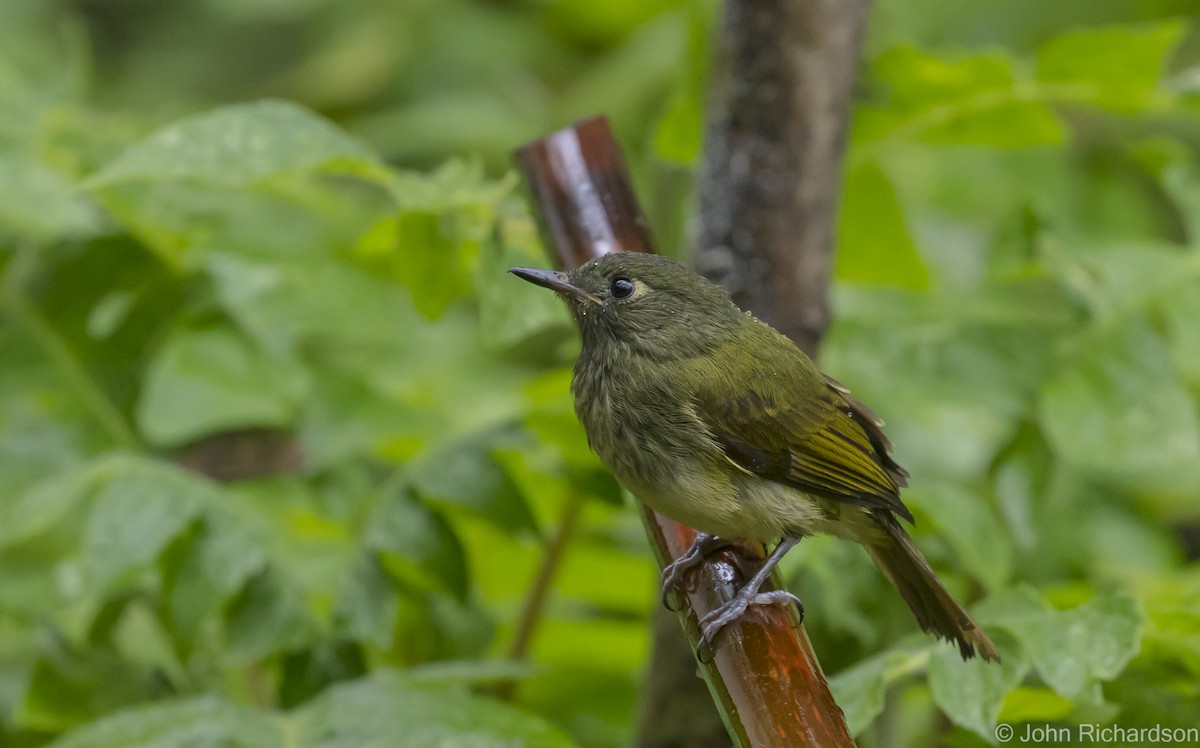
<point x="827" y="444"/>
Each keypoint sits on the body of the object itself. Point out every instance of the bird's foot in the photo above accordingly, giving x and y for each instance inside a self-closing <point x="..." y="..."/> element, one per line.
<point x="713" y="623"/>
<point x="677" y="576"/>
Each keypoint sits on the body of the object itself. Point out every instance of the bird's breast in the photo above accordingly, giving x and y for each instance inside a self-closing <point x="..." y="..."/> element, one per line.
<point x="640" y="426"/>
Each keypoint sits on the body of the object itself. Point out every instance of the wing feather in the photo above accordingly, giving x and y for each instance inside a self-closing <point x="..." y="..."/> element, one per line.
<point x="826" y="444"/>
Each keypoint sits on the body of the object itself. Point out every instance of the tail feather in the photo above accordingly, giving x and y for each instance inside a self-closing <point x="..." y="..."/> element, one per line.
<point x="936" y="611"/>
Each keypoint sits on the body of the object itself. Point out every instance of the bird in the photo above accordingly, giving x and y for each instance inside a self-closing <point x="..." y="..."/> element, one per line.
<point x="715" y="419"/>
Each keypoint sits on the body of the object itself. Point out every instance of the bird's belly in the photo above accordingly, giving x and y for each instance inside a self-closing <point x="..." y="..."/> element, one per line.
<point x="730" y="505"/>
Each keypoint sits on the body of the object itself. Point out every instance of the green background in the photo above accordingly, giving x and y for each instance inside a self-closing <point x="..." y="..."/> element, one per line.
<point x="266" y="239"/>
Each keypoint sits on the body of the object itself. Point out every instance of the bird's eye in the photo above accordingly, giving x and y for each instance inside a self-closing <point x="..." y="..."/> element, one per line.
<point x="621" y="287"/>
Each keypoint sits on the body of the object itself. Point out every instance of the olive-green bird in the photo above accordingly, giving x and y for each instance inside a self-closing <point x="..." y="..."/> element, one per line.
<point x="715" y="419"/>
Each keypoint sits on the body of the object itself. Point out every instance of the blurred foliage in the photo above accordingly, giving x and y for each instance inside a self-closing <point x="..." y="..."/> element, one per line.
<point x="282" y="450"/>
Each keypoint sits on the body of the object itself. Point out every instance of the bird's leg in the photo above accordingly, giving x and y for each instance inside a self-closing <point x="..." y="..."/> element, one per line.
<point x="711" y="624"/>
<point x="675" y="577"/>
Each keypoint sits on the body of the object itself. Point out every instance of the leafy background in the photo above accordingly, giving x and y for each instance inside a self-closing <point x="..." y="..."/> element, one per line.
<point x="282" y="450"/>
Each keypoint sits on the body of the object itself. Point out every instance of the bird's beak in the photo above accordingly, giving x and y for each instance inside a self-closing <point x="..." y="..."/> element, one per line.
<point x="555" y="280"/>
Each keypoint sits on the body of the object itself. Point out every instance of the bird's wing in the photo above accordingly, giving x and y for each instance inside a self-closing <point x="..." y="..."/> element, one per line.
<point x="826" y="444"/>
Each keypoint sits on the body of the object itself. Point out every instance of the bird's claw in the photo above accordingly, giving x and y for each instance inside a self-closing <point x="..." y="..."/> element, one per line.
<point x="716" y="620"/>
<point x="677" y="576"/>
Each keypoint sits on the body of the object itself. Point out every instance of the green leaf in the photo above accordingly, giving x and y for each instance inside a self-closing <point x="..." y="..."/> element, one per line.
<point x="1180" y="176"/>
<point x="38" y="203"/>
<point x="18" y="645"/>
<point x="964" y="519"/>
<point x="417" y="542"/>
<point x="1009" y="121"/>
<point x="1181" y="309"/>
<point x="1120" y="410"/>
<point x="431" y="244"/>
<point x="419" y="250"/>
<point x="377" y="709"/>
<point x="679" y="137"/>
<point x="41" y="578"/>
<point x="680" y="131"/>
<point x="481" y="122"/>
<point x="43" y="506"/>
<point x="457" y="185"/>
<point x="237" y="145"/>
<point x="549" y="486"/>
<point x="860" y="693"/>
<point x="837" y="578"/>
<point x="467" y="672"/>
<point x="45" y="66"/>
<point x="552" y="419"/>
<point x="1123" y="545"/>
<point x="651" y="55"/>
<point x="215" y="566"/>
<point x="269" y="616"/>
<point x="1092" y="642"/>
<point x="366" y="608"/>
<point x="972" y="692"/>
<point x="45" y="428"/>
<point x="296" y="216"/>
<point x="584" y="690"/>
<point x="1117" y="67"/>
<point x="465" y="473"/>
<point x="177" y="724"/>
<point x="288" y="302"/>
<point x="918" y="79"/>
<point x="138" y="510"/>
<point x="1028" y="704"/>
<point x="611" y="579"/>
<point x="1173" y="621"/>
<point x="109" y="313"/>
<point x="1074" y="649"/>
<point x="1118" y="280"/>
<point x="211" y="380"/>
<point x="68" y="687"/>
<point x="141" y="637"/>
<point x="510" y="313"/>
<point x="874" y="244"/>
<point x="956" y="100"/>
<point x="312" y="550"/>
<point x="428" y="260"/>
<point x="461" y="630"/>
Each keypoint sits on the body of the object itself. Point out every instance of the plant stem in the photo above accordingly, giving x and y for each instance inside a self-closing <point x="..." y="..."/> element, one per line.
<point x="535" y="601"/>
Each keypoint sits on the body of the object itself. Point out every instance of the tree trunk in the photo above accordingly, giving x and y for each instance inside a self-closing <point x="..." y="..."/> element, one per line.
<point x="776" y="133"/>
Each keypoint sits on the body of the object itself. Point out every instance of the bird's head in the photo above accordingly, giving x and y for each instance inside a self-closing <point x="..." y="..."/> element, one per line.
<point x="647" y="303"/>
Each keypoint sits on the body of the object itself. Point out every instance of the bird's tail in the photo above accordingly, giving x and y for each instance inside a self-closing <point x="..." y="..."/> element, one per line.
<point x="937" y="612"/>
